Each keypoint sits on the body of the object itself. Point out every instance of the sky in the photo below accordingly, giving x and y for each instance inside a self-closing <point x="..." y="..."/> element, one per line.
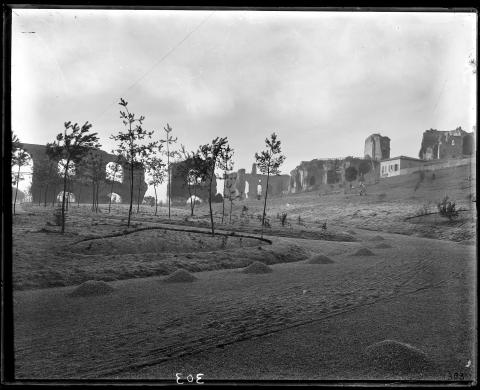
<point x="323" y="81"/>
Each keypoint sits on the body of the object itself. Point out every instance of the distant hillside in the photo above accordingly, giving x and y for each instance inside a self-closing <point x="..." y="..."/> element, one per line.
<point x="432" y="186"/>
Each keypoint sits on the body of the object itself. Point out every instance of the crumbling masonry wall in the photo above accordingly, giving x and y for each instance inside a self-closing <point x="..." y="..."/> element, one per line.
<point x="438" y="144"/>
<point x="83" y="189"/>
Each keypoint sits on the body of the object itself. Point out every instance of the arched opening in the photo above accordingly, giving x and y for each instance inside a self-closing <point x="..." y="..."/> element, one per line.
<point x="247" y="189"/>
<point x="312" y="181"/>
<point x="114" y="172"/>
<point x="69" y="197"/>
<point x="195" y="199"/>
<point x="259" y="189"/>
<point x="114" y="197"/>
<point x="62" y="165"/>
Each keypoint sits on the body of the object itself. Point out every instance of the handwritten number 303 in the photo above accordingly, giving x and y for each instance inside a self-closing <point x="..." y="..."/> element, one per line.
<point x="189" y="378"/>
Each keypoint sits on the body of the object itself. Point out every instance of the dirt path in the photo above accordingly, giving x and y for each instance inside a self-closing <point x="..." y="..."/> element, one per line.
<point x="146" y="321"/>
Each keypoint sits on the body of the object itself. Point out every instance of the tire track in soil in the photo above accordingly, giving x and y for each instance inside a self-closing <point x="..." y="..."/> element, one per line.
<point x="230" y="323"/>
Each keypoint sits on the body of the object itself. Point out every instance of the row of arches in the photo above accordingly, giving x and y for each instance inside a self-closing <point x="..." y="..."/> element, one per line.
<point x="70" y="197"/>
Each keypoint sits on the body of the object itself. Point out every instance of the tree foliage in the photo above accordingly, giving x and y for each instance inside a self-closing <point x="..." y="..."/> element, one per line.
<point x="20" y="158"/>
<point x="156" y="171"/>
<point x="268" y="162"/>
<point x="130" y="144"/>
<point x="169" y="140"/>
<point x="351" y="174"/>
<point x="212" y="155"/>
<point x="71" y="145"/>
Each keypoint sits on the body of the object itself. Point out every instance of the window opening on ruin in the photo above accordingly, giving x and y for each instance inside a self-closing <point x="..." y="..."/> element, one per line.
<point x="114" y="197"/>
<point x="69" y="197"/>
<point x="396" y="167"/>
<point x="114" y="171"/>
<point x="247" y="189"/>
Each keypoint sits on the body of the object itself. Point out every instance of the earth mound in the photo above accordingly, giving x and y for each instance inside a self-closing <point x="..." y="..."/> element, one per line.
<point x="180" y="276"/>
<point x="383" y="245"/>
<point x="396" y="357"/>
<point x="257" y="267"/>
<point x="320" y="259"/>
<point x="364" y="252"/>
<point x="377" y="238"/>
<point x="92" y="288"/>
<point x="350" y="231"/>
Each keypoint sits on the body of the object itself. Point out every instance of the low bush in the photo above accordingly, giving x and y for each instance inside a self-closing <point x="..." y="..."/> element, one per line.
<point x="446" y="208"/>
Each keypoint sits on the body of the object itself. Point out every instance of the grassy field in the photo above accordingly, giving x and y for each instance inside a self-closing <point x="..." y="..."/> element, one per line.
<point x="396" y="271"/>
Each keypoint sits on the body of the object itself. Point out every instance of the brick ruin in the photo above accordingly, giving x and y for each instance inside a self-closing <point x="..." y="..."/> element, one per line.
<point x="244" y="184"/>
<point x="377" y="147"/>
<point x="82" y="190"/>
<point x="327" y="173"/>
<point x="438" y="144"/>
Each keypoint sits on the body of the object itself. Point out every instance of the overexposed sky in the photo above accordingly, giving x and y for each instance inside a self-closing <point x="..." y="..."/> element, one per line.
<point x="323" y="81"/>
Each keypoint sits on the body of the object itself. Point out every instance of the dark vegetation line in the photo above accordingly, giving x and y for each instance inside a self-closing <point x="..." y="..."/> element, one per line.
<point x="124" y="233"/>
<point x="435" y="212"/>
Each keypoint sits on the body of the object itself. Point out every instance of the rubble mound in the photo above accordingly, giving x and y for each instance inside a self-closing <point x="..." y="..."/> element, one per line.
<point x="92" y="288"/>
<point x="320" y="259"/>
<point x="396" y="357"/>
<point x="257" y="267"/>
<point x="180" y="276"/>
<point x="377" y="238"/>
<point x="363" y="252"/>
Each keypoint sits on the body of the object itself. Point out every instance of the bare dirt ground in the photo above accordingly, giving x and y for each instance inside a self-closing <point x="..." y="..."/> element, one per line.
<point x="301" y="321"/>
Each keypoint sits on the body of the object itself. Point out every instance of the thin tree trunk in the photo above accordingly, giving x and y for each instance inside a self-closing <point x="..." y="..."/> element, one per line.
<point x="63" y="196"/>
<point x="45" y="196"/>
<point x="96" y="197"/>
<point x="156" y="202"/>
<point x="223" y="197"/>
<point x="210" y="204"/>
<point x="111" y="192"/>
<point x="231" y="206"/>
<point x="138" y="196"/>
<point x="265" y="202"/>
<point x="131" y="194"/>
<point x="54" y="195"/>
<point x="169" y="183"/>
<point x="93" y="195"/>
<point x="78" y="197"/>
<point x="16" y="190"/>
<point x="68" y="192"/>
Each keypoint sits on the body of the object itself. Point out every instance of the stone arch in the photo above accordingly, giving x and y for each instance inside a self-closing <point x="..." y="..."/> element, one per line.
<point x="116" y="198"/>
<point x="69" y="196"/>
<point x="114" y="172"/>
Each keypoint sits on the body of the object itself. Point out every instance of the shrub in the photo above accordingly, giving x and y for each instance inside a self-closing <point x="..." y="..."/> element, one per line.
<point x="446" y="208"/>
<point x="283" y="219"/>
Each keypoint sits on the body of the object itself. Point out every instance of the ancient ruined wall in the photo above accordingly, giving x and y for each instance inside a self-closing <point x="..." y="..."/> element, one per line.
<point x="318" y="174"/>
<point x="82" y="189"/>
<point x="446" y="144"/>
<point x="377" y="147"/>
<point x="179" y="191"/>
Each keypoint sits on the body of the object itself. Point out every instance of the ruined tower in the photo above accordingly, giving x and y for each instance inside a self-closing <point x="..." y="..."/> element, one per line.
<point x="377" y="147"/>
<point x="438" y="144"/>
